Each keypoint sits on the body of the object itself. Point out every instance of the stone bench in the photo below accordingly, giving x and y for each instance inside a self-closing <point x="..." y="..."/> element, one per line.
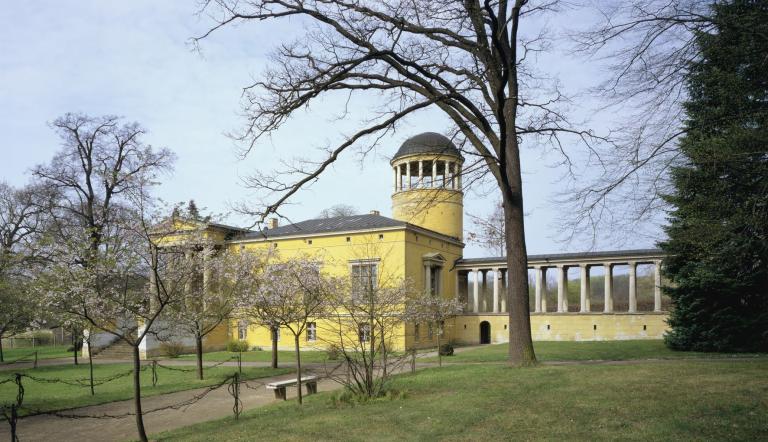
<point x="279" y="386"/>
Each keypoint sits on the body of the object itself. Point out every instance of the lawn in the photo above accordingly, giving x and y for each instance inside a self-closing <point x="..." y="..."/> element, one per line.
<point x="661" y="400"/>
<point x="582" y="351"/>
<point x="262" y="356"/>
<point x="58" y="396"/>
<point x="43" y="352"/>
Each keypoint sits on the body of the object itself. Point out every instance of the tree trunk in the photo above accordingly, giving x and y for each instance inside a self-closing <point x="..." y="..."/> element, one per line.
<point x="274" y="347"/>
<point x="199" y="354"/>
<point x="90" y="363"/>
<point x="298" y="369"/>
<point x="137" y="394"/>
<point x="2" y="357"/>
<point x="439" y="355"/>
<point x="520" y="343"/>
<point x="74" y="345"/>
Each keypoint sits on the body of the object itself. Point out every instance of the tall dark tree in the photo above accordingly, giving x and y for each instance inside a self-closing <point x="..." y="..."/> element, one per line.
<point x="718" y="231"/>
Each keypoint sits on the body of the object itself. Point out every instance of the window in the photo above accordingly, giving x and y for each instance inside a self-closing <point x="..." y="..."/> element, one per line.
<point x="364" y="332"/>
<point x="311" y="331"/>
<point x="275" y="333"/>
<point x="434" y="281"/>
<point x="430" y="331"/>
<point x="441" y="327"/>
<point x="416" y="332"/>
<point x="242" y="330"/>
<point x="363" y="277"/>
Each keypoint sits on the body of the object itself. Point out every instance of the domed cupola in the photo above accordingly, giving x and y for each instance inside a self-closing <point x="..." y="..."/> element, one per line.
<point x="427" y="181"/>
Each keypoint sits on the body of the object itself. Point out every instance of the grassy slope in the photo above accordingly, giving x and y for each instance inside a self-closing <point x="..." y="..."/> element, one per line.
<point x="581" y="351"/>
<point x="47" y="396"/>
<point x="11" y="354"/>
<point x="675" y="400"/>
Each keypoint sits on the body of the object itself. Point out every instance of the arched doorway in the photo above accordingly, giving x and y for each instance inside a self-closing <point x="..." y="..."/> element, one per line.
<point x="485" y="332"/>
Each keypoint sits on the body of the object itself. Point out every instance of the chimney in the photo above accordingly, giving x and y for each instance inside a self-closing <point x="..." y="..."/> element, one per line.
<point x="375" y="212"/>
<point x="273" y="223"/>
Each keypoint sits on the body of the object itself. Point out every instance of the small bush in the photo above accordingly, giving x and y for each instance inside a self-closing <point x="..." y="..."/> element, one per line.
<point x="172" y="349"/>
<point x="333" y="352"/>
<point x="446" y="350"/>
<point x="237" y="346"/>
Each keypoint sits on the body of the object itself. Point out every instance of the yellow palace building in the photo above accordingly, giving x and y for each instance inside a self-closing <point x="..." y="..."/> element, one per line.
<point x="423" y="242"/>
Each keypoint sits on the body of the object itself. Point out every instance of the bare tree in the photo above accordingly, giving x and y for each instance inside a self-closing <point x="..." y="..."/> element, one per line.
<point x="468" y="59"/>
<point x="435" y="311"/>
<point x="293" y="293"/>
<point x="22" y="221"/>
<point x="337" y="210"/>
<point x="647" y="47"/>
<point x="100" y="234"/>
<point x="133" y="278"/>
<point x="218" y="278"/>
<point x="488" y="231"/>
<point x="366" y="321"/>
<point x="102" y="161"/>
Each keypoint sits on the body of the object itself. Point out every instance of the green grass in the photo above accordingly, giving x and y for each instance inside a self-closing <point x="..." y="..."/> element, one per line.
<point x="672" y="400"/>
<point x="58" y="396"/>
<point x="262" y="356"/>
<point x="47" y="352"/>
<point x="582" y="351"/>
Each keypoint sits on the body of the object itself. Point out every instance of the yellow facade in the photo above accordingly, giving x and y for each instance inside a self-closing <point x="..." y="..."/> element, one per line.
<point x="399" y="253"/>
<point x="466" y="330"/>
<point x="438" y="207"/>
<point x="432" y="207"/>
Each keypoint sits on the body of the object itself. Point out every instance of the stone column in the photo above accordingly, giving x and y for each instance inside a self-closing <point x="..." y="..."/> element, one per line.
<point x="503" y="290"/>
<point x="632" y="287"/>
<point x="537" y="297"/>
<point x="608" y="302"/>
<point x="421" y="174"/>
<point x="496" y="290"/>
<point x="408" y="175"/>
<point x="427" y="280"/>
<point x="476" y="292"/>
<point x="562" y="300"/>
<point x="458" y="177"/>
<point x="585" y="286"/>
<point x="484" y="289"/>
<point x="398" y="179"/>
<point x="657" y="287"/>
<point x="434" y="173"/>
<point x="445" y="174"/>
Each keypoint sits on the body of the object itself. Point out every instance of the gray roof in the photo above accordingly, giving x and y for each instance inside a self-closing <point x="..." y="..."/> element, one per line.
<point x="327" y="225"/>
<point x="427" y="143"/>
<point x="561" y="256"/>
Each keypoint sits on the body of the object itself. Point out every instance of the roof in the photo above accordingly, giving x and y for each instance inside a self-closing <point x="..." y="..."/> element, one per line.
<point x="567" y="256"/>
<point x="427" y="143"/>
<point x="327" y="225"/>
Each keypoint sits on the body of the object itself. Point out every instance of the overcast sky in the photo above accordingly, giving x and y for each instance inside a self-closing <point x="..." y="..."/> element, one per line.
<point x="133" y="59"/>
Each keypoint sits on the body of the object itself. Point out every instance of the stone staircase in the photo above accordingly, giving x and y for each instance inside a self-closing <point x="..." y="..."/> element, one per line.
<point x="118" y="349"/>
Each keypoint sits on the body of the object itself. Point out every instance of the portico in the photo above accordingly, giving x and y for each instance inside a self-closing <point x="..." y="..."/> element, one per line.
<point x="482" y="282"/>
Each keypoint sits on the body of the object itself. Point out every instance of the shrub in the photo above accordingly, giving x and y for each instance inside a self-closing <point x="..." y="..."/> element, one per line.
<point x="446" y="350"/>
<point x="237" y="346"/>
<point x="333" y="352"/>
<point x="172" y="349"/>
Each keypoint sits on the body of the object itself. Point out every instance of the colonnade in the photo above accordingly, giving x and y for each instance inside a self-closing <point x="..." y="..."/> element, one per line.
<point x="428" y="173"/>
<point x="541" y="265"/>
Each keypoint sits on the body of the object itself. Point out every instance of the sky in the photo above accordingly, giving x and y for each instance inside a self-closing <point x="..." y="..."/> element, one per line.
<point x="134" y="59"/>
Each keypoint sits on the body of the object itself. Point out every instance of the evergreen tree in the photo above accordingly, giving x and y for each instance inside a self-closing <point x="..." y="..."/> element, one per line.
<point x="192" y="211"/>
<point x="718" y="231"/>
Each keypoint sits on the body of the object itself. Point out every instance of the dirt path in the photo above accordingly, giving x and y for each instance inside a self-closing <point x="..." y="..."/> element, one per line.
<point x="217" y="404"/>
